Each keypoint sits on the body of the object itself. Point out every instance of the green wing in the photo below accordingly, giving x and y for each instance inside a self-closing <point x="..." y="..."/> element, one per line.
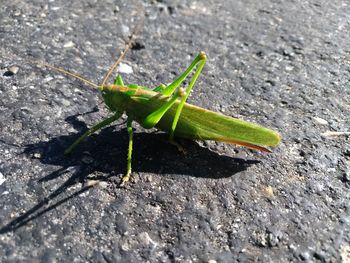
<point x="201" y="124"/>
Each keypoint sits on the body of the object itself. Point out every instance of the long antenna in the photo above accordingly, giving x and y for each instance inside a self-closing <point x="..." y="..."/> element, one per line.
<point x="135" y="32"/>
<point x="75" y="75"/>
<point x="133" y="36"/>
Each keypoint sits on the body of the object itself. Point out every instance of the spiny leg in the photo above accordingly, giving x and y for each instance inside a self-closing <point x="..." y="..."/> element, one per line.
<point x="168" y="90"/>
<point x="152" y="119"/>
<point x="95" y="128"/>
<point x="201" y="59"/>
<point x="126" y="177"/>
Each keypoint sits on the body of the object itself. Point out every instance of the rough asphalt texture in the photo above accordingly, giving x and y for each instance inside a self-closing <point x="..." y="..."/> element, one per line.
<point x="282" y="64"/>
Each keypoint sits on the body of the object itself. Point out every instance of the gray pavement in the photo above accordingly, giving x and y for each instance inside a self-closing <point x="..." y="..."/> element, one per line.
<point x="282" y="64"/>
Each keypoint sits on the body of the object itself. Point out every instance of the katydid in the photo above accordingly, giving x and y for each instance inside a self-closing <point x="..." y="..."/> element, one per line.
<point x="165" y="108"/>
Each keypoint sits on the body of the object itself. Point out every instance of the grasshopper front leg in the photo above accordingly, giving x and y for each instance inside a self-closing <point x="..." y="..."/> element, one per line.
<point x="95" y="128"/>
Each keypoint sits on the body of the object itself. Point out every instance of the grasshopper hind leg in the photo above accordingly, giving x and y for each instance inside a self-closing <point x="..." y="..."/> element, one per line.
<point x="174" y="91"/>
<point x="200" y="61"/>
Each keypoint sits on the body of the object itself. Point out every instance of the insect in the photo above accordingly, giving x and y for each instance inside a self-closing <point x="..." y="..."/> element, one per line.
<point x="165" y="108"/>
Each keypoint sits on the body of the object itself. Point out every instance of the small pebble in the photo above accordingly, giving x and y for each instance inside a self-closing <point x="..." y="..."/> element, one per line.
<point x="2" y="179"/>
<point x="101" y="184"/>
<point x="13" y="70"/>
<point x="69" y="44"/>
<point x="65" y="102"/>
<point x="37" y="155"/>
<point x="124" y="68"/>
<point x="268" y="191"/>
<point x="331" y="134"/>
<point x="320" y="121"/>
<point x="125" y="30"/>
<point x="17" y="13"/>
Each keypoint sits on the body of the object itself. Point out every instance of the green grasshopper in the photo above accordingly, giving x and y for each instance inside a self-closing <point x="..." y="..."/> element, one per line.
<point x="165" y="108"/>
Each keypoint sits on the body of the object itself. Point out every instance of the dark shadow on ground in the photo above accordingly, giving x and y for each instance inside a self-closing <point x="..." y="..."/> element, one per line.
<point x="105" y="154"/>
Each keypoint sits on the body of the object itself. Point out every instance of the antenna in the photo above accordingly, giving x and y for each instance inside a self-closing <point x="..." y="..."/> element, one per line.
<point x="75" y="75"/>
<point x="135" y="32"/>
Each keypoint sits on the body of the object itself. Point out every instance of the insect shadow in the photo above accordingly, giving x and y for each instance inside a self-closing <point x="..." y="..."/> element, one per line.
<point x="104" y="154"/>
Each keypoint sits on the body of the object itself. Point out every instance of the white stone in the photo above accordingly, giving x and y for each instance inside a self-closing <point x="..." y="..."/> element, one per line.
<point x="125" y="69"/>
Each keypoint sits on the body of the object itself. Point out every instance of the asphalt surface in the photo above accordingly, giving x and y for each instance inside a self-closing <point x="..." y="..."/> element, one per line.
<point x="282" y="64"/>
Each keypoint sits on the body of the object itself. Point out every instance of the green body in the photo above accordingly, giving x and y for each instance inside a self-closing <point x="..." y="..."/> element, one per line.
<point x="165" y="108"/>
<point x="195" y="123"/>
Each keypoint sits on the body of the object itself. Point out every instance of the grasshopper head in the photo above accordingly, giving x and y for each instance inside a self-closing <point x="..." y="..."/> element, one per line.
<point x="115" y="97"/>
